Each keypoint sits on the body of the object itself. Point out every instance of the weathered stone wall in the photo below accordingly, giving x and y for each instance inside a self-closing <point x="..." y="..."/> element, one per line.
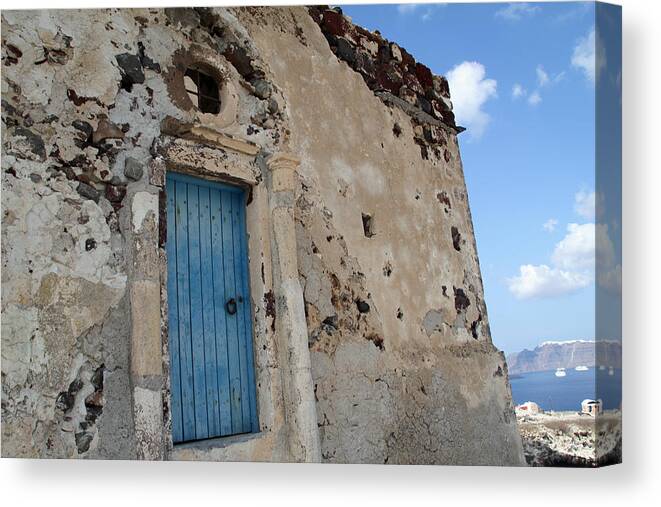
<point x="403" y="364"/>
<point x="94" y="113"/>
<point x="89" y="102"/>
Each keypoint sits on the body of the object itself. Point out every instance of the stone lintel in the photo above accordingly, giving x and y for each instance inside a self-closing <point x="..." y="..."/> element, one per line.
<point x="207" y="135"/>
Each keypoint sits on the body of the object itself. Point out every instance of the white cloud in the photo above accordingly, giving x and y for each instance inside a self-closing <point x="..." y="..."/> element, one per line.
<point x="544" y="281"/>
<point x="407" y="8"/>
<point x="584" y="204"/>
<point x="534" y="98"/>
<point x="585" y="249"/>
<point x="576" y="250"/>
<point x="572" y="266"/>
<point x="550" y="224"/>
<point x="544" y="79"/>
<point x="542" y="76"/>
<point x="589" y="56"/>
<point x="517" y="11"/>
<point x="518" y="91"/>
<point x="470" y="90"/>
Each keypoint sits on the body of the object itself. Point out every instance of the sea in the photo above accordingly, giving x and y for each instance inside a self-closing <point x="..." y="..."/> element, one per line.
<point x="567" y="393"/>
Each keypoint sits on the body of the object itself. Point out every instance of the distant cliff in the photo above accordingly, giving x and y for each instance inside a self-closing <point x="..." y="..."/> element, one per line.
<point x="552" y="355"/>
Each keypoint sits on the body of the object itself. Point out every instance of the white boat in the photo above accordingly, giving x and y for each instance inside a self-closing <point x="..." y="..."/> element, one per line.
<point x="602" y="367"/>
<point x="581" y="368"/>
<point x="611" y="371"/>
<point x="560" y="372"/>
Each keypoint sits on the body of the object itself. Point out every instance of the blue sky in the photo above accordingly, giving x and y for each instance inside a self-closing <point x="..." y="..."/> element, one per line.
<point x="522" y="77"/>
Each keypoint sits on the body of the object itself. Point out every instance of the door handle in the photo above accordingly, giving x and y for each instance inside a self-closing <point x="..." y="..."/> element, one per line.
<point x="230" y="306"/>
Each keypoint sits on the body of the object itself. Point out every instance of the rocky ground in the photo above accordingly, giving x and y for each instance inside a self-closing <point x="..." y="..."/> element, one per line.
<point x="568" y="439"/>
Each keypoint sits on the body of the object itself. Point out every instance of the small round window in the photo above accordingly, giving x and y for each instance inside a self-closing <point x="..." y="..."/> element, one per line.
<point x="203" y="90"/>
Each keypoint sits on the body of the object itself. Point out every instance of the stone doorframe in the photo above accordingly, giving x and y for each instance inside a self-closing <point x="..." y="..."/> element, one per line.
<point x="285" y="394"/>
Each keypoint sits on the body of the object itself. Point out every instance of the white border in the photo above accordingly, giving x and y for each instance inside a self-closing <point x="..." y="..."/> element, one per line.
<point x="636" y="482"/>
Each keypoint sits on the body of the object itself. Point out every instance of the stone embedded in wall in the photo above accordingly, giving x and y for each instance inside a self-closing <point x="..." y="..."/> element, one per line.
<point x="133" y="169"/>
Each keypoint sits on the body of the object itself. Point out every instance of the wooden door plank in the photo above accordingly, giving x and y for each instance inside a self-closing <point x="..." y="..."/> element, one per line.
<point x="196" y="318"/>
<point x="247" y="319"/>
<point x="183" y="304"/>
<point x="208" y="317"/>
<point x="218" y="270"/>
<point x="173" y="316"/>
<point x="237" y="205"/>
<point x="231" y="320"/>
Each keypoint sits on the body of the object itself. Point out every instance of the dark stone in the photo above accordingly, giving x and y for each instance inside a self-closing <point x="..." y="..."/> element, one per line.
<point x="115" y="193"/>
<point x="407" y="59"/>
<point x="147" y="62"/>
<point x="461" y="301"/>
<point x="333" y="22"/>
<point x="83" y="441"/>
<point x="329" y="324"/>
<point x="424" y="104"/>
<point x="362" y="306"/>
<point x="64" y="401"/>
<point x="94" y="400"/>
<point x="397" y="130"/>
<point x="345" y="51"/>
<point x="36" y="178"/>
<point x="85" y="128"/>
<point x="332" y="40"/>
<point x="456" y="238"/>
<point x="443" y="86"/>
<point x="90" y="244"/>
<point x="88" y="191"/>
<point x="412" y="82"/>
<point x="389" y="78"/>
<point x="269" y="300"/>
<point x="446" y="155"/>
<point x="240" y="58"/>
<point x="263" y="88"/>
<point x="366" y="66"/>
<point x="75" y="386"/>
<point x="97" y="377"/>
<point x="383" y="54"/>
<point x="273" y="107"/>
<point x="424" y="75"/>
<point x="131" y="69"/>
<point x="34" y="141"/>
<point x="133" y="169"/>
<point x="162" y="219"/>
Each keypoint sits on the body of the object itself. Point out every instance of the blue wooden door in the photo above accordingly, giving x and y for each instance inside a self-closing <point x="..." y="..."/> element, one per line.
<point x="210" y="322"/>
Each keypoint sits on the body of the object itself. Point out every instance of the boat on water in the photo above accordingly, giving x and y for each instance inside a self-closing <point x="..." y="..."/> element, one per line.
<point x="602" y="367"/>
<point x="560" y="372"/>
<point x="581" y="368"/>
<point x="611" y="371"/>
